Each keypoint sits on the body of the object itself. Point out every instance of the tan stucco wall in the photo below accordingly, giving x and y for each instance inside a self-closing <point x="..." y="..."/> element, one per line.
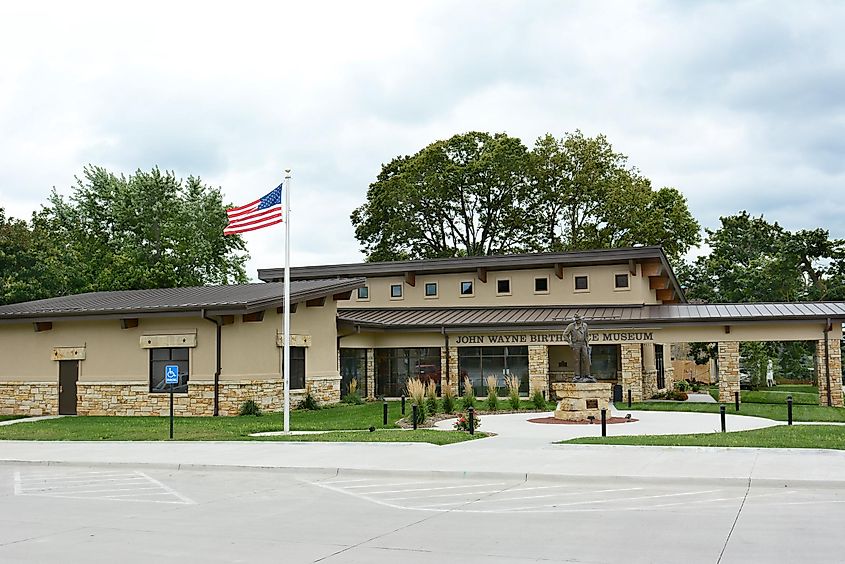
<point x="112" y="354"/>
<point x="561" y="291"/>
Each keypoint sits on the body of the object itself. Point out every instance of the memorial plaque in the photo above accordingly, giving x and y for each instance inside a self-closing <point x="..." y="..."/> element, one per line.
<point x="592" y="404"/>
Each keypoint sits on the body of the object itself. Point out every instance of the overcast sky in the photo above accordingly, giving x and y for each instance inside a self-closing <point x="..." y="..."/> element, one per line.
<point x="740" y="105"/>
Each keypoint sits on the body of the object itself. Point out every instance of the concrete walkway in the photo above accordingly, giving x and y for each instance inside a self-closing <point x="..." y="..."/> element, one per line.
<point x="30" y="419"/>
<point x="514" y="431"/>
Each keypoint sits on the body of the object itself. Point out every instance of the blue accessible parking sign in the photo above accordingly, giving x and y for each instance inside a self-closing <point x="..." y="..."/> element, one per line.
<point x="171" y="374"/>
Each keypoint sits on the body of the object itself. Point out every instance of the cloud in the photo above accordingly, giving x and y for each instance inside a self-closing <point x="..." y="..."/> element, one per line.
<point x="736" y="104"/>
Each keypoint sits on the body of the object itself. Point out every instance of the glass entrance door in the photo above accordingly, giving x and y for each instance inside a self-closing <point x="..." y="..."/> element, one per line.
<point x="353" y="366"/>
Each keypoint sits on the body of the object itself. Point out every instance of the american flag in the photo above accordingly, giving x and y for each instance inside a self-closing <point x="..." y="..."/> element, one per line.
<point x="264" y="212"/>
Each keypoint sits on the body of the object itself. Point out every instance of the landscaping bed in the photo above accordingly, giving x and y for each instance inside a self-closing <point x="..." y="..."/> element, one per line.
<point x="767" y="410"/>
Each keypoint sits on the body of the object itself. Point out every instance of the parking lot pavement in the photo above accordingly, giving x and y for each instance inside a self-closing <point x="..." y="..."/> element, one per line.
<point x="144" y="514"/>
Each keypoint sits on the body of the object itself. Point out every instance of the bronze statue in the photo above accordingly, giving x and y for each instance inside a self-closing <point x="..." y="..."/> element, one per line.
<point x="578" y="336"/>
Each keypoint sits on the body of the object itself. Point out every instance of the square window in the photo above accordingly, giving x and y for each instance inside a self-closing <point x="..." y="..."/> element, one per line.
<point x="541" y="285"/>
<point x="396" y="290"/>
<point x="364" y="293"/>
<point x="581" y="283"/>
<point x="503" y="286"/>
<point x="621" y="281"/>
<point x="159" y="360"/>
<point x="466" y="288"/>
<point x="431" y="289"/>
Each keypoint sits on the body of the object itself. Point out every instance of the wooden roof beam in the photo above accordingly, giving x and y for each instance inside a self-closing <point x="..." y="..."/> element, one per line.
<point x="559" y="270"/>
<point x="281" y="309"/>
<point x="342" y="296"/>
<point x="410" y="278"/>
<point x="632" y="267"/>
<point x="481" y="272"/>
<point x="316" y="302"/>
<point x="658" y="282"/>
<point x="666" y="295"/>
<point x="651" y="268"/>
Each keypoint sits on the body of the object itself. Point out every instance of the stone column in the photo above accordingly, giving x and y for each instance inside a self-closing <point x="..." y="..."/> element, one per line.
<point x="649" y="371"/>
<point x="632" y="373"/>
<point x="835" y="355"/>
<point x="371" y="374"/>
<point x="538" y="369"/>
<point x="668" y="369"/>
<point x="454" y="375"/>
<point x="728" y="370"/>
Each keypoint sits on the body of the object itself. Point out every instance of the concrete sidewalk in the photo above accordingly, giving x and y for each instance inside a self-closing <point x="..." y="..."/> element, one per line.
<point x="520" y="450"/>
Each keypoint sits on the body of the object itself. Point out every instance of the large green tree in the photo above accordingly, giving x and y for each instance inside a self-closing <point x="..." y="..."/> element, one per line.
<point x="114" y="232"/>
<point x="478" y="194"/>
<point x="461" y="196"/>
<point x="585" y="196"/>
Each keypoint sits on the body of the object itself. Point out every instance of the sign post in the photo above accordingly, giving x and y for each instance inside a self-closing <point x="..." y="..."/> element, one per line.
<point x="171" y="376"/>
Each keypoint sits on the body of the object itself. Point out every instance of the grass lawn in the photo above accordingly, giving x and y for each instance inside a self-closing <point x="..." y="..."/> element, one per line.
<point x="776" y="411"/>
<point x="338" y="418"/>
<point x="782" y="436"/>
<point x="10" y="417"/>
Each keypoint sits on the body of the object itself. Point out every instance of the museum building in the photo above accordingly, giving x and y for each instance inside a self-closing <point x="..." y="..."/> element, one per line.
<point x="447" y="321"/>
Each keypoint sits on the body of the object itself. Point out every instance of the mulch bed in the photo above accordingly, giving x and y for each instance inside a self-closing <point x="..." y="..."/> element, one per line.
<point x="556" y="421"/>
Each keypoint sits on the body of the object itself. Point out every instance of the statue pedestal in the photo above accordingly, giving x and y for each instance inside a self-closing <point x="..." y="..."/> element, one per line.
<point x="578" y="401"/>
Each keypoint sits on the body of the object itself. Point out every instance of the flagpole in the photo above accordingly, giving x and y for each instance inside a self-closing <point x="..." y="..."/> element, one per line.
<point x="286" y="342"/>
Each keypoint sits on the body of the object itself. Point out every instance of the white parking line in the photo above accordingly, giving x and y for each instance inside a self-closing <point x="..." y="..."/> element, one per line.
<point x="596" y="501"/>
<point x="386" y="485"/>
<point x="97" y="486"/>
<point x="437" y="489"/>
<point x="501" y="499"/>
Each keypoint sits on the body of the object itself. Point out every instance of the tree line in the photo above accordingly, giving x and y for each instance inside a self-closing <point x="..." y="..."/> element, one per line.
<point x="115" y="232"/>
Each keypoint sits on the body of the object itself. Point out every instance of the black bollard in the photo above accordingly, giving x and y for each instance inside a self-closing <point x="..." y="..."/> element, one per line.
<point x="629" y="398"/>
<point x="415" y="409"/>
<point x="789" y="410"/>
<point x="384" y="409"/>
<point x="471" y="417"/>
<point x="722" y="416"/>
<point x="736" y="400"/>
<point x="403" y="404"/>
<point x="603" y="422"/>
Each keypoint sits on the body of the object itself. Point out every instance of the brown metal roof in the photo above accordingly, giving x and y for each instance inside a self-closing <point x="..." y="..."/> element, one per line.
<point x="603" y="315"/>
<point x="469" y="264"/>
<point x="214" y="300"/>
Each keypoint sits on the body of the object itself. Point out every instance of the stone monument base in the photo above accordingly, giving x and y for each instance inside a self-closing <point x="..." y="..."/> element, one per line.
<point x="579" y="401"/>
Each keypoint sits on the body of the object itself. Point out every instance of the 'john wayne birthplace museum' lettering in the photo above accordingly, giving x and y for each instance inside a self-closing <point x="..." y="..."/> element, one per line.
<point x="538" y="338"/>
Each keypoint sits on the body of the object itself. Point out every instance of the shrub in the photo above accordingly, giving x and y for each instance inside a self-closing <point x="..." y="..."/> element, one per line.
<point x="539" y="400"/>
<point x="448" y="395"/>
<point x="695" y="386"/>
<point x="462" y="424"/>
<point x="682" y="385"/>
<point x="492" y="393"/>
<point x="513" y="391"/>
<point x="675" y="395"/>
<point x="249" y="407"/>
<point x="469" y="394"/>
<point x="352" y="397"/>
<point x="431" y="398"/>
<point x="309" y="402"/>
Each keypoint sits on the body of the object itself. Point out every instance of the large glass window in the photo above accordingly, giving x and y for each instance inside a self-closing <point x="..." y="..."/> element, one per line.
<point x="477" y="363"/>
<point x="353" y="366"/>
<point x="395" y="366"/>
<point x="297" y="368"/>
<point x="604" y="361"/>
<point x="159" y="358"/>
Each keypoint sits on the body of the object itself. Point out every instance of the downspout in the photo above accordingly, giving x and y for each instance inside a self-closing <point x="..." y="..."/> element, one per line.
<point x="217" y="370"/>
<point x="827" y="328"/>
<point x="446" y="338"/>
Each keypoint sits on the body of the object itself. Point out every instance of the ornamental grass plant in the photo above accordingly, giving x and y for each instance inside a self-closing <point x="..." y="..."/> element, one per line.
<point x="492" y="393"/>
<point x="513" y="391"/>
<point x="416" y="391"/>
<point x="539" y="400"/>
<point x="468" y="399"/>
<point x="431" y="398"/>
<point x="352" y="397"/>
<point x="447" y="393"/>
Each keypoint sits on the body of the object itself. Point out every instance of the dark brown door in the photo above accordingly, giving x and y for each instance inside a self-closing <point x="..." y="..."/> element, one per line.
<point x="68" y="375"/>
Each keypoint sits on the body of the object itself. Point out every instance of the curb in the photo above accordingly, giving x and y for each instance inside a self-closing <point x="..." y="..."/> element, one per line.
<point x="337" y="472"/>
